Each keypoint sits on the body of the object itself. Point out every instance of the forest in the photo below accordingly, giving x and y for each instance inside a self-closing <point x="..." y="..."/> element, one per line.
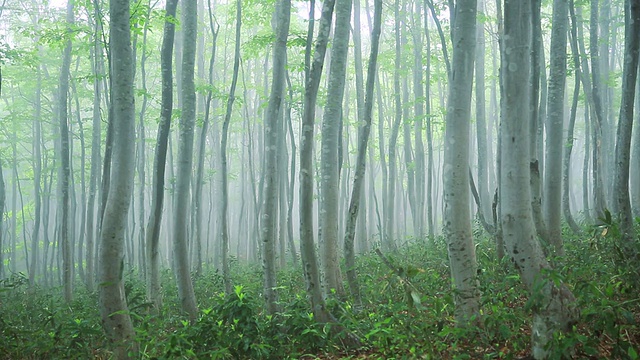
<point x="330" y="179"/>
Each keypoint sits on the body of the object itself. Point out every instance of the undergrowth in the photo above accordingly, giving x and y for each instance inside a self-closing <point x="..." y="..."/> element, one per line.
<point x="401" y="317"/>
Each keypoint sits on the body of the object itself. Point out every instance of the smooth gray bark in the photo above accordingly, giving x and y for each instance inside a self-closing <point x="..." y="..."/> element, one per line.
<point x="554" y="125"/>
<point x="154" y="293"/>
<point x="554" y="309"/>
<point x="363" y="139"/>
<point x="330" y="176"/>
<point x="224" y="186"/>
<point x="313" y="72"/>
<point x="65" y="172"/>
<point x="184" y="162"/>
<point x="625" y="123"/>
<point x="457" y="216"/>
<point x="113" y="305"/>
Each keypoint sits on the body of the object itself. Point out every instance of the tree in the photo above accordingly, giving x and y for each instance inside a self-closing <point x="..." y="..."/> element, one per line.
<point x="224" y="204"/>
<point x="160" y="158"/>
<point x="2" y="203"/>
<point x="113" y="305"/>
<point x="313" y="72"/>
<point x="554" y="125"/>
<point x="330" y="177"/>
<point x="625" y="124"/>
<point x="65" y="172"/>
<point x="282" y="17"/>
<point x="554" y="308"/>
<point x="457" y="215"/>
<point x="185" y="160"/>
<point x="363" y="139"/>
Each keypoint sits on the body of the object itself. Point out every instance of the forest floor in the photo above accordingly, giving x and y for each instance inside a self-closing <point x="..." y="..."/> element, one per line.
<point x="402" y="317"/>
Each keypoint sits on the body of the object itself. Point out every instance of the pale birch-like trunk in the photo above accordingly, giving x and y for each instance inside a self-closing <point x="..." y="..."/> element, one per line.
<point x="2" y="204"/>
<point x="625" y="123"/>
<point x="554" y="126"/>
<point x="113" y="305"/>
<point x="272" y="134"/>
<point x="554" y="308"/>
<point x="313" y="72"/>
<point x="224" y="186"/>
<point x="154" y="293"/>
<point x="363" y="139"/>
<point x="330" y="177"/>
<point x="65" y="172"/>
<point x="184" y="163"/>
<point x="457" y="218"/>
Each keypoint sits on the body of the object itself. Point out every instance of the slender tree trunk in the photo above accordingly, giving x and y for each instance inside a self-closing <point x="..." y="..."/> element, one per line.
<point x="429" y="131"/>
<point x="3" y="198"/>
<point x="418" y="111"/>
<point x="625" y="124"/>
<point x="363" y="139"/>
<point x="554" y="126"/>
<point x="313" y="72"/>
<point x="202" y="142"/>
<point x="566" y="162"/>
<point x="185" y="161"/>
<point x="37" y="178"/>
<point x="635" y="158"/>
<point x="598" y="177"/>
<point x="389" y="243"/>
<point x="224" y="221"/>
<point x="456" y="175"/>
<point x="113" y="305"/>
<point x="536" y="108"/>
<point x="63" y="91"/>
<point x="330" y="177"/>
<point x="481" y="121"/>
<point x="159" y="163"/>
<point x="554" y="309"/>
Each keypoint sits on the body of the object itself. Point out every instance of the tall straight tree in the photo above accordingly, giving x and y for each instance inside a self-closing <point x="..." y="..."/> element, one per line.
<point x="282" y="16"/>
<point x="625" y="124"/>
<point x="224" y="210"/>
<point x="160" y="159"/>
<point x="363" y="139"/>
<point x="457" y="216"/>
<point x="113" y="304"/>
<point x="554" y="125"/>
<point x="554" y="304"/>
<point x="185" y="160"/>
<point x="2" y="203"/>
<point x="65" y="172"/>
<point x="313" y="73"/>
<point x="330" y="178"/>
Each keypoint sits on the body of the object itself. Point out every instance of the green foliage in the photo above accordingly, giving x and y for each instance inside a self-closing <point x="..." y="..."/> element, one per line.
<point x="408" y="316"/>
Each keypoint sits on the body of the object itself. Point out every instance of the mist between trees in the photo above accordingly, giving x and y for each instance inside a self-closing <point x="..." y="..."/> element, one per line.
<point x="204" y="136"/>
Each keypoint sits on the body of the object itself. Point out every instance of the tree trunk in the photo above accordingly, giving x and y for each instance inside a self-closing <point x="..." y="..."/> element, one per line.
<point x="598" y="177"/>
<point x="625" y="124"/>
<point x="159" y="163"/>
<point x="2" y="203"/>
<point x="185" y="161"/>
<point x="554" y="304"/>
<point x="313" y="72"/>
<point x="224" y="221"/>
<point x="63" y="91"/>
<point x="113" y="306"/>
<point x="457" y="226"/>
<point x="536" y="109"/>
<point x="330" y="146"/>
<point x="554" y="126"/>
<point x="418" y="111"/>
<point x="566" y="162"/>
<point x="363" y="139"/>
<point x="429" y="132"/>
<point x="481" y="121"/>
<point x="389" y="243"/>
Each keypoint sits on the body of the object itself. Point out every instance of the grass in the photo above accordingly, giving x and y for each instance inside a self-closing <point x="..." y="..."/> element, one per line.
<point x="395" y="321"/>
